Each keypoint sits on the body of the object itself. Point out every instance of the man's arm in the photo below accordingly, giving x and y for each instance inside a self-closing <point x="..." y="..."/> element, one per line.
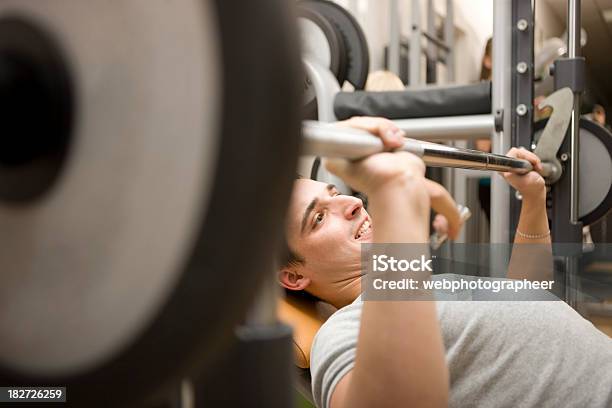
<point x="533" y="221"/>
<point x="444" y="204"/>
<point x="532" y="262"/>
<point x="400" y="354"/>
<point x="441" y="200"/>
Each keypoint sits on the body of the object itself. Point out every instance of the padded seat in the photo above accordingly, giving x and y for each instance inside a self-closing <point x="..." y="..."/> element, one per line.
<point x="305" y="316"/>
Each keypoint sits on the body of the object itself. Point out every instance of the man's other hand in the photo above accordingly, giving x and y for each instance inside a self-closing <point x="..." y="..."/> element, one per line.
<point x="530" y="185"/>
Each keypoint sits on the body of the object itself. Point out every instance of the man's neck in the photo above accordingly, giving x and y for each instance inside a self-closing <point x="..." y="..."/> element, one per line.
<point x="348" y="293"/>
<point x="340" y="294"/>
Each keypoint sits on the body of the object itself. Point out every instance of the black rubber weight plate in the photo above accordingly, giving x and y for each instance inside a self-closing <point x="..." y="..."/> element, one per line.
<point x="232" y="240"/>
<point x="595" y="169"/>
<point x="358" y="58"/>
<point x="311" y="36"/>
<point x="321" y="30"/>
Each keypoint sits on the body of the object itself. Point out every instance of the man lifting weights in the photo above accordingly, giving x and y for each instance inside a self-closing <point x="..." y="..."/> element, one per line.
<point x="410" y="353"/>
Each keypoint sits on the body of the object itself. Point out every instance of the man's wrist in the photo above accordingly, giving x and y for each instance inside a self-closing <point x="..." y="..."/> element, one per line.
<point x="406" y="181"/>
<point x="410" y="190"/>
<point x="535" y="197"/>
<point x="533" y="205"/>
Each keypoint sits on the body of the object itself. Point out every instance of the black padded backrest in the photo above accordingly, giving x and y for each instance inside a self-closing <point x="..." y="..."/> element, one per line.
<point x="426" y="102"/>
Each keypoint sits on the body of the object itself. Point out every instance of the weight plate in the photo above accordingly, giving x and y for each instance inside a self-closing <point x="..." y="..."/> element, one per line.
<point x="122" y="278"/>
<point x="35" y="83"/>
<point x="355" y="43"/>
<point x="595" y="169"/>
<point x="320" y="41"/>
<point x="121" y="176"/>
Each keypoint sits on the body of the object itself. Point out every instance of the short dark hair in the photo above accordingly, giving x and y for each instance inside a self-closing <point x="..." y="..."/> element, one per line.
<point x="288" y="257"/>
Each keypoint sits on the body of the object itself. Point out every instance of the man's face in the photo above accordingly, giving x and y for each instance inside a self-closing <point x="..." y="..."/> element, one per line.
<point x="327" y="229"/>
<point x="599" y="116"/>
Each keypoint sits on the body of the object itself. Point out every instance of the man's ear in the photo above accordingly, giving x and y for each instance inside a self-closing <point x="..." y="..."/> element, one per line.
<point x="292" y="280"/>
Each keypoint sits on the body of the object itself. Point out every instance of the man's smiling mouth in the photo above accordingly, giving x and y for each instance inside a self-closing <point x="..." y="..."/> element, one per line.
<point x="364" y="229"/>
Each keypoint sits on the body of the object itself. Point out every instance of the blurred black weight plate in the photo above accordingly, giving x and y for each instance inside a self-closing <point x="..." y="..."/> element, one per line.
<point x="127" y="268"/>
<point x="595" y="169"/>
<point x="355" y="43"/>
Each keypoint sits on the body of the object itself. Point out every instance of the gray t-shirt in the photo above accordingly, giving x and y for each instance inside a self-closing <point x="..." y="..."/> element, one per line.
<point x="499" y="354"/>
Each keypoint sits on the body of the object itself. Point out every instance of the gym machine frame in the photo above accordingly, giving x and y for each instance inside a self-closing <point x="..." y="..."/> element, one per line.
<point x="513" y="56"/>
<point x="433" y="42"/>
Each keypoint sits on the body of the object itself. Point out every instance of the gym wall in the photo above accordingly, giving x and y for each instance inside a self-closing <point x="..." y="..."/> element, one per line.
<point x="473" y="21"/>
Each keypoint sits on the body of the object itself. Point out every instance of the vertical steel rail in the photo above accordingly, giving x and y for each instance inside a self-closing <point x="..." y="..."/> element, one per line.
<point x="501" y="100"/>
<point x="449" y="175"/>
<point x="415" y="44"/>
<point x="449" y="39"/>
<point x="394" y="37"/>
<point x="565" y="225"/>
<point x="522" y="88"/>
<point x="572" y="284"/>
<point x="573" y="49"/>
<point x="431" y="48"/>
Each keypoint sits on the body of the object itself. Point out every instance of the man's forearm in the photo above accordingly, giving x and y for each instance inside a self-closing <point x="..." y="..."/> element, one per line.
<point x="400" y="354"/>
<point x="533" y="261"/>
<point x="533" y="221"/>
<point x="400" y="211"/>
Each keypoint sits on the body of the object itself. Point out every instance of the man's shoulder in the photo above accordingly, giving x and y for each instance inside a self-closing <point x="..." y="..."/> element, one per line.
<point x="350" y="313"/>
<point x="334" y="350"/>
<point x="340" y="328"/>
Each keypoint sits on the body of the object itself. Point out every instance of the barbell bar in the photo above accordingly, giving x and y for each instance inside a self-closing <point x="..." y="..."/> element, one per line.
<point x="328" y="140"/>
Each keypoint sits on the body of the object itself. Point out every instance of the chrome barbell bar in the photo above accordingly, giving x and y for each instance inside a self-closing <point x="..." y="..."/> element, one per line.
<point x="329" y="140"/>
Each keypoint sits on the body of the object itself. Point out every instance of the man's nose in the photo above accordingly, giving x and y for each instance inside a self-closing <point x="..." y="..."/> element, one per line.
<point x="352" y="207"/>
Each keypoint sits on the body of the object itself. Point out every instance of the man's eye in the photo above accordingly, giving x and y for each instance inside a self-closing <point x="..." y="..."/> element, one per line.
<point x="318" y="218"/>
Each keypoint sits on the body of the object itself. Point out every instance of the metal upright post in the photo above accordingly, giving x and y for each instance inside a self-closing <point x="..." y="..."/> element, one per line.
<point x="565" y="226"/>
<point x="415" y="44"/>
<point x="502" y="101"/>
<point x="432" y="49"/>
<point x="459" y="180"/>
<point x="449" y="39"/>
<point x="569" y="72"/>
<point x="394" y="37"/>
<point x="521" y="113"/>
<point x="573" y="50"/>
